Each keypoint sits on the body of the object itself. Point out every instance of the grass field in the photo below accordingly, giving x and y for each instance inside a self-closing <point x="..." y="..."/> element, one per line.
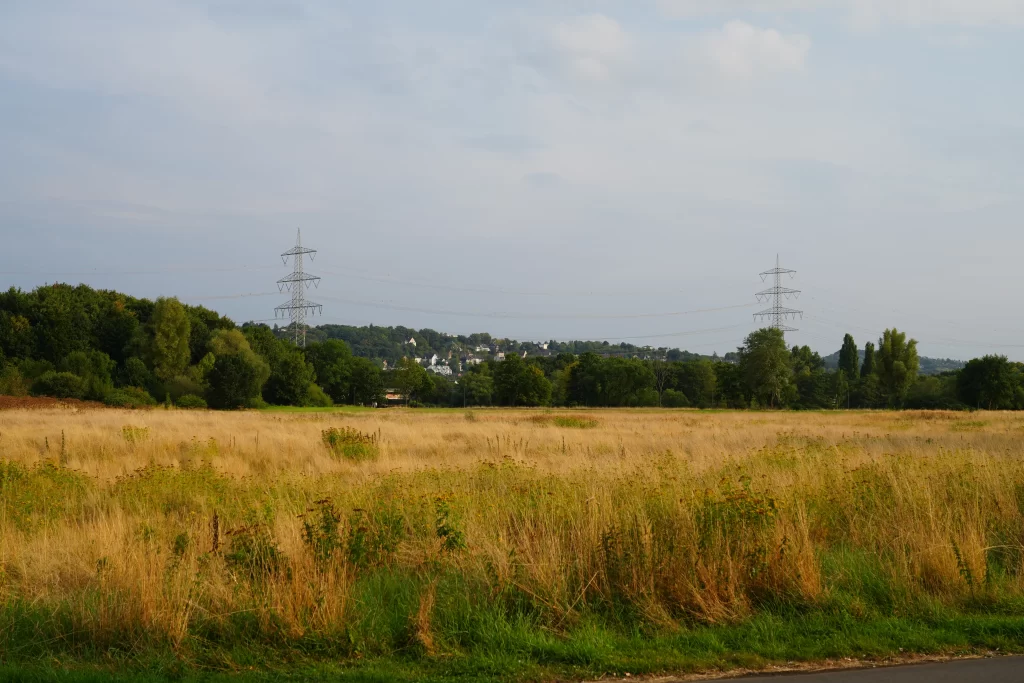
<point x="532" y="545"/>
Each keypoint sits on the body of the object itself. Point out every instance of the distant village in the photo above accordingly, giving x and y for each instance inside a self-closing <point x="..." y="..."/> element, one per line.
<point x="458" y="359"/>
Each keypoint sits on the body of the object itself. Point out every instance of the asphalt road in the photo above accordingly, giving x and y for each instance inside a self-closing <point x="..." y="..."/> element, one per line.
<point x="995" y="670"/>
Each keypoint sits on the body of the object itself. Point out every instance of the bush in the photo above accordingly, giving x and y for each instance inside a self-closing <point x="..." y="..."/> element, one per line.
<point x="674" y="399"/>
<point x="573" y="422"/>
<point x="254" y="554"/>
<point x="135" y="373"/>
<point x="316" y="398"/>
<point x="190" y="401"/>
<point x="235" y="381"/>
<point x="182" y="385"/>
<point x="129" y="397"/>
<point x="60" y="385"/>
<point x="12" y="383"/>
<point x="647" y="398"/>
<point x="350" y="443"/>
<point x="34" y="369"/>
<point x="256" y="403"/>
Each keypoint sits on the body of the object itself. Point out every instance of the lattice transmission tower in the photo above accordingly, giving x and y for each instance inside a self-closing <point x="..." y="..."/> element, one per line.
<point x="778" y="314"/>
<point x="297" y="283"/>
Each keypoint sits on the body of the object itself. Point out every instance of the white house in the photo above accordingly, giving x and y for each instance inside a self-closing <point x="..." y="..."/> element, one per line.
<point x="412" y="341"/>
<point x="500" y="355"/>
<point x="442" y="370"/>
<point x="431" y="359"/>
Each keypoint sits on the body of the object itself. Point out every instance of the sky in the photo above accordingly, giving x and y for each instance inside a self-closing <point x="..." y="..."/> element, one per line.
<point x="613" y="169"/>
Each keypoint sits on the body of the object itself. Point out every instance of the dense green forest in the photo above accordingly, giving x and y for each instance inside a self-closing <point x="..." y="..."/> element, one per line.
<point x="81" y="343"/>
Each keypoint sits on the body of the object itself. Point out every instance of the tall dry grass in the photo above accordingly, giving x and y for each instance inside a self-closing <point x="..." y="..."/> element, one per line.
<point x="194" y="530"/>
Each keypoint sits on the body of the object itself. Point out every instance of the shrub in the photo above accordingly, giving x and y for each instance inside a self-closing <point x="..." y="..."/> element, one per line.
<point x="316" y="398"/>
<point x="182" y="385"/>
<point x="350" y="443"/>
<point x="647" y="398"/>
<point x="34" y="369"/>
<point x="60" y="385"/>
<point x="133" y="435"/>
<point x="254" y="553"/>
<point x="129" y="397"/>
<point x="573" y="422"/>
<point x="674" y="399"/>
<point x="320" y="527"/>
<point x="190" y="401"/>
<point x="256" y="403"/>
<point x="12" y="383"/>
<point x="135" y="373"/>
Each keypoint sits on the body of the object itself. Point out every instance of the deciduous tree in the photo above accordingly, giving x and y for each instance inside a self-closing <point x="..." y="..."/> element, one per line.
<point x="765" y="362"/>
<point x="897" y="365"/>
<point x="849" y="358"/>
<point x="169" y="348"/>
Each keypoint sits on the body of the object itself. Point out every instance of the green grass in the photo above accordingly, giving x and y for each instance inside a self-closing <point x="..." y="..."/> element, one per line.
<point x="515" y="652"/>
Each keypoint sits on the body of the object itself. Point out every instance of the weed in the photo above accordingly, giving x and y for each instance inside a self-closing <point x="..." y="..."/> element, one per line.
<point x="351" y="444"/>
<point x="320" y="525"/>
<point x="254" y="554"/>
<point x="134" y="435"/>
<point x="453" y="539"/>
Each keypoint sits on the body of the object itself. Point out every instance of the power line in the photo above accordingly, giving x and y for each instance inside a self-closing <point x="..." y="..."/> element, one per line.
<point x="480" y="314"/>
<point x="778" y="314"/>
<point x="533" y="316"/>
<point x="297" y="283"/>
<point x="148" y="271"/>
<point x="430" y="284"/>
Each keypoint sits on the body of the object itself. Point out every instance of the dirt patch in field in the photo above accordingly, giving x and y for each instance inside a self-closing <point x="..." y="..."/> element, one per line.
<point x="44" y="402"/>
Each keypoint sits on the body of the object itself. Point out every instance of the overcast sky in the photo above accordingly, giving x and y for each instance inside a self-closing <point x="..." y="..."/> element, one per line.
<point x="534" y="169"/>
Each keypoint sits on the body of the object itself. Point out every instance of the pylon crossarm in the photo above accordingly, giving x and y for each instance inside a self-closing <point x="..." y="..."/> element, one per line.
<point x="295" y="251"/>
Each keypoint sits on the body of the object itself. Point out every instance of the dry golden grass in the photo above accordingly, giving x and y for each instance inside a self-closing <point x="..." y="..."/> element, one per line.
<point x="655" y="517"/>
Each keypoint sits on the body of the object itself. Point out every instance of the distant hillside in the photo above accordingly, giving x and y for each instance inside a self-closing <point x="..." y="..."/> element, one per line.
<point x="929" y="366"/>
<point x="392" y="343"/>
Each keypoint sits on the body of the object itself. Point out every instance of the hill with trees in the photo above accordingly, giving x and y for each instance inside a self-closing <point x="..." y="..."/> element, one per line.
<point x="77" y="342"/>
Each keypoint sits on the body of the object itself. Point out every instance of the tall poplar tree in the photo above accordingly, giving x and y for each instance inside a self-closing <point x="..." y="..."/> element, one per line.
<point x="868" y="368"/>
<point x="849" y="358"/>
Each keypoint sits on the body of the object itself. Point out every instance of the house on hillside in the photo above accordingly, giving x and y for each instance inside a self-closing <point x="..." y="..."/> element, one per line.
<point x="412" y="341"/>
<point x="499" y="356"/>
<point x="431" y="360"/>
<point x="442" y="370"/>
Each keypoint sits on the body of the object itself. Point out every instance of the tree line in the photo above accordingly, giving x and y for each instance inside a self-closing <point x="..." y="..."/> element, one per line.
<point x="77" y="342"/>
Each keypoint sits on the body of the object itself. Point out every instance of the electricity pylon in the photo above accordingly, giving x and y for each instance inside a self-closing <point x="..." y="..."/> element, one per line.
<point x="778" y="314"/>
<point x="297" y="283"/>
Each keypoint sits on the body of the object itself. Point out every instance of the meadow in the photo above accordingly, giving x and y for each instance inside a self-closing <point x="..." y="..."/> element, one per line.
<point x="501" y="544"/>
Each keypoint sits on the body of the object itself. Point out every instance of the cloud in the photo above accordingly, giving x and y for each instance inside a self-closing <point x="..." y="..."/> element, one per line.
<point x="741" y="50"/>
<point x="870" y="13"/>
<point x="697" y="8"/>
<point x="864" y="13"/>
<point x="592" y="44"/>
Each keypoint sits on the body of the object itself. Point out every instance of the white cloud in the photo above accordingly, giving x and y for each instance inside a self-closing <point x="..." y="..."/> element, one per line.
<point x="742" y="50"/>
<point x="865" y="13"/>
<point x="592" y="44"/>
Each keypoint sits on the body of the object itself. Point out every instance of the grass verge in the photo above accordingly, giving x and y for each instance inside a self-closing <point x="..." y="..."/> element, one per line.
<point x="515" y="653"/>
